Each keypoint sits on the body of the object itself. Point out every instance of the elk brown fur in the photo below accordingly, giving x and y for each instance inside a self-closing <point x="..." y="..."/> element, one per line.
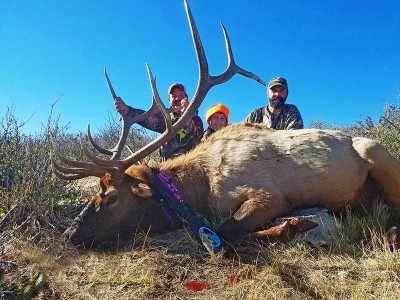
<point x="243" y="177"/>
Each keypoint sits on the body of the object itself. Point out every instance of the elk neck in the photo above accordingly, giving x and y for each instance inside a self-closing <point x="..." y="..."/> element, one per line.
<point x="168" y="198"/>
<point x="191" y="183"/>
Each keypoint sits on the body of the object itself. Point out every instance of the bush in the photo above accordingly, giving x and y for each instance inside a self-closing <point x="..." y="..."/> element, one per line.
<point x="10" y="145"/>
<point x="386" y="131"/>
<point x="29" y="191"/>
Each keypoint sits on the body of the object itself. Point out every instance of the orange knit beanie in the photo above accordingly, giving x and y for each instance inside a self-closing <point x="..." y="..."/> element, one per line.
<point x="215" y="109"/>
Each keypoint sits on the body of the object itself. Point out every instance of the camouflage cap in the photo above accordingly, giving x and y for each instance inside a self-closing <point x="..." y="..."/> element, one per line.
<point x="278" y="81"/>
<point x="176" y="85"/>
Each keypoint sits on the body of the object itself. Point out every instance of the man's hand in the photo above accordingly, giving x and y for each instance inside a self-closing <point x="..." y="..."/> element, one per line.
<point x="184" y="104"/>
<point x="120" y="106"/>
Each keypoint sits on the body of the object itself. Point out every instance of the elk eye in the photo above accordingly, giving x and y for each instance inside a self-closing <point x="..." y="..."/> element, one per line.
<point x="111" y="200"/>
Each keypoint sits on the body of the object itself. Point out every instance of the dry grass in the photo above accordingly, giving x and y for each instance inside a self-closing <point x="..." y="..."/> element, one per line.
<point x="159" y="267"/>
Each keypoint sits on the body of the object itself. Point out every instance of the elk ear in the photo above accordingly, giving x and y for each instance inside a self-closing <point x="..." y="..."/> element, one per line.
<point x="141" y="189"/>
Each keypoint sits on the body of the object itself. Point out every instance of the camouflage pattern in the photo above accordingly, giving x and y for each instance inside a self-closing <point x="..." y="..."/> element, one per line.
<point x="186" y="138"/>
<point x="209" y="131"/>
<point x="288" y="118"/>
<point x="278" y="81"/>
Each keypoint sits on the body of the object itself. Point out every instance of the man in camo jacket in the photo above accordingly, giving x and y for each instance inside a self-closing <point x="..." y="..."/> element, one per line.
<point x="277" y="114"/>
<point x="186" y="138"/>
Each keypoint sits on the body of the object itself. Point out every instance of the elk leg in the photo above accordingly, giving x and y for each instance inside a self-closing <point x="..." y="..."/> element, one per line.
<point x="254" y="214"/>
<point x="385" y="169"/>
<point x="283" y="232"/>
<point x="392" y="238"/>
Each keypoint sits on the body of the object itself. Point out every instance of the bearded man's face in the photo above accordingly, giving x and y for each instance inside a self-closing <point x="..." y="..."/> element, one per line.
<point x="277" y="96"/>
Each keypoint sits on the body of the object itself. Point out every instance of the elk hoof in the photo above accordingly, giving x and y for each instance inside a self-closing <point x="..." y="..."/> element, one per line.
<point x="302" y="224"/>
<point x="392" y="238"/>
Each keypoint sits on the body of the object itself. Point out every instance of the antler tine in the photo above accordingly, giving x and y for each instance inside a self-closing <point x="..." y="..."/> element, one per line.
<point x="67" y="177"/>
<point x="76" y="173"/>
<point x="232" y="67"/>
<point x="206" y="81"/>
<point x="157" y="99"/>
<point x="135" y="119"/>
<point x="143" y="152"/>
<point x="117" y="150"/>
<point x="110" y="87"/>
<point x="90" y="167"/>
<point x="95" y="145"/>
<point x="160" y="140"/>
<point x="107" y="165"/>
<point x="127" y="123"/>
<point x="204" y="84"/>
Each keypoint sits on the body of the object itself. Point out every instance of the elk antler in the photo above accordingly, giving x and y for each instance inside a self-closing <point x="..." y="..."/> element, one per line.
<point x="205" y="83"/>
<point x="115" y="152"/>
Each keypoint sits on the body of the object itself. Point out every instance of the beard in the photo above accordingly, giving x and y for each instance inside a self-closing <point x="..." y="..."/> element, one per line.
<point x="278" y="102"/>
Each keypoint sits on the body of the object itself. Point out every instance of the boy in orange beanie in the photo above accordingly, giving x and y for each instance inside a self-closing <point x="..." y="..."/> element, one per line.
<point x="217" y="118"/>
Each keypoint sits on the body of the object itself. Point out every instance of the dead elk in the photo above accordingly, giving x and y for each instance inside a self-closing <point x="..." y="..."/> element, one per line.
<point x="245" y="175"/>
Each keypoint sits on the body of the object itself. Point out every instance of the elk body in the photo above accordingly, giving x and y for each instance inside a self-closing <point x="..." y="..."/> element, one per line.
<point x="242" y="177"/>
<point x="247" y="176"/>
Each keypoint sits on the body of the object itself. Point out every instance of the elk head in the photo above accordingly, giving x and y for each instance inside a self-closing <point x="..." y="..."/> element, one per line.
<point x="125" y="202"/>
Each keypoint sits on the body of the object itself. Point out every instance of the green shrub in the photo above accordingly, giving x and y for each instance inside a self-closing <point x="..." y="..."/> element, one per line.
<point x="29" y="191"/>
<point x="386" y="131"/>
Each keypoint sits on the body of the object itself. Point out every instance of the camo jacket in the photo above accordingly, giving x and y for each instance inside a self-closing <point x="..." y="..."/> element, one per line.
<point x="186" y="138"/>
<point x="209" y="131"/>
<point x="288" y="118"/>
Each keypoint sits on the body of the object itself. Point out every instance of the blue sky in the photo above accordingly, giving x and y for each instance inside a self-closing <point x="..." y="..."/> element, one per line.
<point x="341" y="58"/>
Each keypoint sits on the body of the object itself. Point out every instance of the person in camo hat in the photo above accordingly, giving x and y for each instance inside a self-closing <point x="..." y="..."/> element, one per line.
<point x="186" y="138"/>
<point x="277" y="114"/>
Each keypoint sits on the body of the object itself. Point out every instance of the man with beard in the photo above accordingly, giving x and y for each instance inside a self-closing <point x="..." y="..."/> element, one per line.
<point x="186" y="138"/>
<point x="277" y="114"/>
